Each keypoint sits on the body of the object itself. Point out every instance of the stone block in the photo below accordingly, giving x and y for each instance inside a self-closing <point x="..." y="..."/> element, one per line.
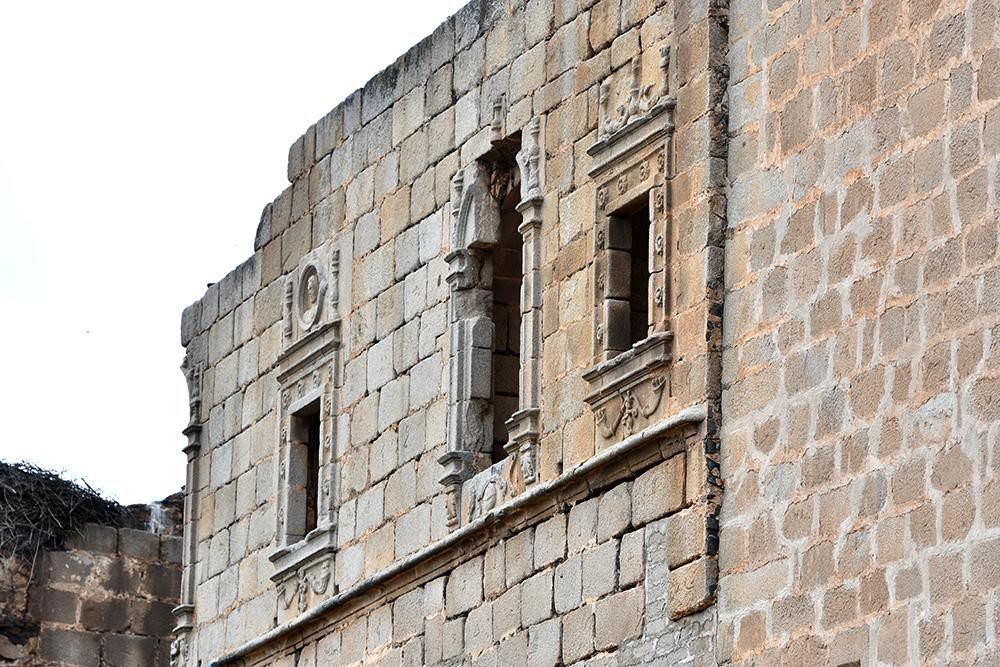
<point x="600" y="566"/>
<point x="578" y="634"/>
<point x="581" y="528"/>
<point x="453" y="638"/>
<point x="59" y="606"/>
<point x="122" y="650"/>
<point x="92" y="537"/>
<point x="70" y="647"/>
<point x="151" y="618"/>
<point x="519" y="556"/>
<point x="550" y="541"/>
<point x="614" y="514"/>
<point x="413" y="530"/>
<point x="544" y="642"/>
<point x="65" y="567"/>
<point x="659" y="491"/>
<point x="105" y="615"/>
<point x="507" y="613"/>
<point x="619" y="618"/>
<point x="464" y="589"/>
<point x="536" y="598"/>
<point x="691" y="587"/>
<point x="161" y="581"/>
<point x="568" y="584"/>
<point x="494" y="573"/>
<point x="631" y="557"/>
<point x="479" y="629"/>
<point x="686" y="537"/>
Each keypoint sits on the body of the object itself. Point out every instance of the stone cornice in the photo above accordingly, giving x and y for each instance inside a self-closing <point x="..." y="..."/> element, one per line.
<point x="622" y="460"/>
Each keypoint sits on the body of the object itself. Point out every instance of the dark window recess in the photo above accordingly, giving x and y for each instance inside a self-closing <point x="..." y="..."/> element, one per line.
<point x="628" y="276"/>
<point x="507" y="276"/>
<point x="303" y="490"/>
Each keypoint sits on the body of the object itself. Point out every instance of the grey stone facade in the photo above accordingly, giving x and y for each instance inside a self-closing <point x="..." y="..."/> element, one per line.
<point x="542" y="289"/>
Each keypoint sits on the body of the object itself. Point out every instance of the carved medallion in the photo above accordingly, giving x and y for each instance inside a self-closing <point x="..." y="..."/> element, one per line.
<point x="311" y="292"/>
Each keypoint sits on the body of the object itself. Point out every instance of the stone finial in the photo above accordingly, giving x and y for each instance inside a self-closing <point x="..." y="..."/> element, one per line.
<point x="529" y="160"/>
<point x="496" y="124"/>
<point x="665" y="69"/>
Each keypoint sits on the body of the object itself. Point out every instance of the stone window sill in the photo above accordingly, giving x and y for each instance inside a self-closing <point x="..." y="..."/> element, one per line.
<point x="638" y="379"/>
<point x="626" y="369"/>
<point x="318" y="544"/>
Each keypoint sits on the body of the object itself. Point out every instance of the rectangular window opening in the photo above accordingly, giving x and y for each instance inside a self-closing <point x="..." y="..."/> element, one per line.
<point x="639" y="288"/>
<point x="627" y="289"/>
<point x="303" y="496"/>
<point x="507" y="277"/>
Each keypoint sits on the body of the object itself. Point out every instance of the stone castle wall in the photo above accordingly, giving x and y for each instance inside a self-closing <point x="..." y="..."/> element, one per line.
<point x="823" y="324"/>
<point x="860" y="418"/>
<point x="106" y="599"/>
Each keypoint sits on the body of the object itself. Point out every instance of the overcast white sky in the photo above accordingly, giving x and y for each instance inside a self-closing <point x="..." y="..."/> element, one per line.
<point x="138" y="143"/>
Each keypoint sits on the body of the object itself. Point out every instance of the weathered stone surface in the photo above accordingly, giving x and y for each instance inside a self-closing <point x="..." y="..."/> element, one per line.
<point x="821" y="248"/>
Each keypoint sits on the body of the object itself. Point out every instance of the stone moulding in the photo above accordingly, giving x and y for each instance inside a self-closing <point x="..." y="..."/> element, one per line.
<point x="308" y="372"/>
<point x="623" y="460"/>
<point x="476" y="191"/>
<point x="184" y="611"/>
<point x="638" y="379"/>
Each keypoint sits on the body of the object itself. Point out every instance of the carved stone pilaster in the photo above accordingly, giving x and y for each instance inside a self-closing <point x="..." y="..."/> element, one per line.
<point x="184" y="611"/>
<point x="475" y="227"/>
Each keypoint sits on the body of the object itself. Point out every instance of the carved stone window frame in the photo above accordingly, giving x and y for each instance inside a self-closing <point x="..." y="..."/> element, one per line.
<point x="632" y="160"/>
<point x="470" y="477"/>
<point x="308" y="372"/>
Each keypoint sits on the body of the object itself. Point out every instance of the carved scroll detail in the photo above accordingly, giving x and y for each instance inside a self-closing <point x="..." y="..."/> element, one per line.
<point x="631" y="408"/>
<point x="638" y="100"/>
<point x="299" y="588"/>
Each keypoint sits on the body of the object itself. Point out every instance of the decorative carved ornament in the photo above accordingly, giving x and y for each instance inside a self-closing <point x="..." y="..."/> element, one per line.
<point x="193" y="371"/>
<point x="179" y="651"/>
<point x="299" y="588"/>
<point x="631" y="408"/>
<point x="311" y="297"/>
<point x="638" y="101"/>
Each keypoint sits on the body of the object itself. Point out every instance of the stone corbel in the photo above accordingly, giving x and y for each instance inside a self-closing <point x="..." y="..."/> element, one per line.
<point x="463" y="269"/>
<point x="524" y="430"/>
<point x="458" y="468"/>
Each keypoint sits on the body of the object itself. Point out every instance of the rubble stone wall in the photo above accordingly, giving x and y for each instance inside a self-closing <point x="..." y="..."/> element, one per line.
<point x="104" y="600"/>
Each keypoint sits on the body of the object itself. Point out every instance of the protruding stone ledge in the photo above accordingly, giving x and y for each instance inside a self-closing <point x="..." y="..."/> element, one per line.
<point x="626" y="459"/>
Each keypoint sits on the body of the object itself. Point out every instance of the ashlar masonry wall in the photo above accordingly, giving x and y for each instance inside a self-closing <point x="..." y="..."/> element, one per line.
<point x="105" y="599"/>
<point x="818" y="179"/>
<point x="339" y="363"/>
<point x="860" y="415"/>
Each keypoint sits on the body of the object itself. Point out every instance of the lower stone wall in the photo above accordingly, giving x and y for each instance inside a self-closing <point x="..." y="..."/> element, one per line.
<point x="105" y="600"/>
<point x="588" y="586"/>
